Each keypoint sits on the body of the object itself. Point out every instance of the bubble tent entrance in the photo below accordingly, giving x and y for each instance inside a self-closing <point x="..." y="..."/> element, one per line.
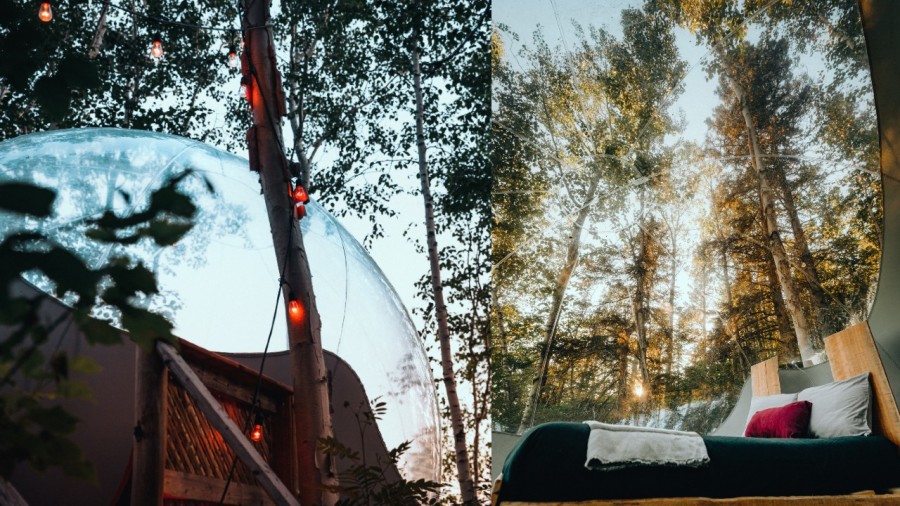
<point x="219" y="283"/>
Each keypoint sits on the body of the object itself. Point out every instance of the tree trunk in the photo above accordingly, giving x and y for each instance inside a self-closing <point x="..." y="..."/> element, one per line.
<point x="466" y="484"/>
<point x="622" y="373"/>
<point x="99" y="33"/>
<point x="559" y="291"/>
<point x="312" y="410"/>
<point x="807" y="265"/>
<point x="670" y="330"/>
<point x="639" y="306"/>
<point x="788" y="349"/>
<point x="773" y="236"/>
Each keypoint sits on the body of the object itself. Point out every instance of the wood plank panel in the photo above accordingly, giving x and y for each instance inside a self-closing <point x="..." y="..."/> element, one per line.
<point x="765" y="378"/>
<point x="217" y="416"/>
<point x="851" y="352"/>
<point x="197" y="488"/>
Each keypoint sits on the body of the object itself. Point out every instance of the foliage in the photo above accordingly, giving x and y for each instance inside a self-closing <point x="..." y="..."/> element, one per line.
<point x="367" y="483"/>
<point x="76" y="71"/>
<point x="33" y="428"/>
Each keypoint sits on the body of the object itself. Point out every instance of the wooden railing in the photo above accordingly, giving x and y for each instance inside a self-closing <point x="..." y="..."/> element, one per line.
<point x="187" y="431"/>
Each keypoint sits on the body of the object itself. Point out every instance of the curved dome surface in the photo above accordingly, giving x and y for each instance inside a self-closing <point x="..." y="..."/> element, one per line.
<point x="220" y="282"/>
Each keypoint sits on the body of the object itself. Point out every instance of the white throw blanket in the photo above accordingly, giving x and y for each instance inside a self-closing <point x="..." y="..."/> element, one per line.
<point x="617" y="446"/>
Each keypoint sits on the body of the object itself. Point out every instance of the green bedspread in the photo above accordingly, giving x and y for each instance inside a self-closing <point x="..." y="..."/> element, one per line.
<point x="548" y="465"/>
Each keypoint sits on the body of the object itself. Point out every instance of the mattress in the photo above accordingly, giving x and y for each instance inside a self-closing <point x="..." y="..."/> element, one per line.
<point x="548" y="465"/>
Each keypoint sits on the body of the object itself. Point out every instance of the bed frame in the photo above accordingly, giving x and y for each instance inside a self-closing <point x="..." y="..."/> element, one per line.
<point x="850" y="352"/>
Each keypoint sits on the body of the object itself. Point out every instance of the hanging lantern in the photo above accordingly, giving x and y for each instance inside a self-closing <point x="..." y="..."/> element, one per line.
<point x="300" y="195"/>
<point x="299" y="211"/>
<point x="156" y="49"/>
<point x="295" y="309"/>
<point x="256" y="433"/>
<point x="45" y="13"/>
<point x="233" y="61"/>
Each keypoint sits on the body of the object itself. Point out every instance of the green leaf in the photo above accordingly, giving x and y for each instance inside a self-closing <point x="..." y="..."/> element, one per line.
<point x="74" y="389"/>
<point x="68" y="271"/>
<point x="169" y="199"/>
<point x="145" y="327"/>
<point x="83" y="364"/>
<point x="99" y="331"/>
<point x="53" y="419"/>
<point x="101" y="234"/>
<point x="166" y="233"/>
<point x="26" y="198"/>
<point x="133" y="280"/>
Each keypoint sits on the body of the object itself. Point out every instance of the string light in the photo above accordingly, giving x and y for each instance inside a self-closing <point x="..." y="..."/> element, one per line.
<point x="299" y="211"/>
<point x="295" y="309"/>
<point x="45" y="13"/>
<point x="156" y="49"/>
<point x="300" y="195"/>
<point x="256" y="433"/>
<point x="233" y="61"/>
<point x="245" y="89"/>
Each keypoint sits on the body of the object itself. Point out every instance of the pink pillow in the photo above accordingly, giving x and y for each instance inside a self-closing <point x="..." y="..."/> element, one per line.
<point x="789" y="421"/>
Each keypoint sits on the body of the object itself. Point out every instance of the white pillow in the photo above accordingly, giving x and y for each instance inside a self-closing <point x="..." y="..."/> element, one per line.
<point x="841" y="408"/>
<point x="766" y="402"/>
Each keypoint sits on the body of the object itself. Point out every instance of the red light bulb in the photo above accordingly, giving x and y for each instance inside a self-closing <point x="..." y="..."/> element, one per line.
<point x="45" y="14"/>
<point x="156" y="50"/>
<point x="245" y="89"/>
<point x="232" y="58"/>
<point x="256" y="434"/>
<point x="299" y="211"/>
<point x="300" y="195"/>
<point x="296" y="310"/>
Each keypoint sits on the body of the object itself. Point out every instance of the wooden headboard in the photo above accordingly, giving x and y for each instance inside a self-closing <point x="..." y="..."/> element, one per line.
<point x="850" y="352"/>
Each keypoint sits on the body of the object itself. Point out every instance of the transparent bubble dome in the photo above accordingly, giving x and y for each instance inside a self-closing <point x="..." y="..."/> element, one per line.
<point x="220" y="282"/>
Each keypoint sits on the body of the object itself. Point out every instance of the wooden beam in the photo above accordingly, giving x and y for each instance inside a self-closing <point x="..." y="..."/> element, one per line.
<point x="219" y="419"/>
<point x="765" y="378"/>
<point x="200" y="488"/>
<point x="240" y="392"/>
<point x="151" y="385"/>
<point x="9" y="495"/>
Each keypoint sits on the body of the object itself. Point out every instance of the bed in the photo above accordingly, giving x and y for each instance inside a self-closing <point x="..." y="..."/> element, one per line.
<point x="547" y="465"/>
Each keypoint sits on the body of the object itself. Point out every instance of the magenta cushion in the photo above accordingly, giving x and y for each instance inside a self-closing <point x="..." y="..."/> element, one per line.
<point x="789" y="421"/>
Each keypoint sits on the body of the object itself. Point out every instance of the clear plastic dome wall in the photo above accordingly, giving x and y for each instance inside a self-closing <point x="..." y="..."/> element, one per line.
<point x="219" y="283"/>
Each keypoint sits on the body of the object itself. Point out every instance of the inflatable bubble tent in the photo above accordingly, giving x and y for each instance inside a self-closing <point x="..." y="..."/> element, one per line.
<point x="219" y="283"/>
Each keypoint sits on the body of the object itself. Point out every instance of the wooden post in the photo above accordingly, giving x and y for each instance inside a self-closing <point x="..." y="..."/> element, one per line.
<point x="151" y="383"/>
<point x="316" y="469"/>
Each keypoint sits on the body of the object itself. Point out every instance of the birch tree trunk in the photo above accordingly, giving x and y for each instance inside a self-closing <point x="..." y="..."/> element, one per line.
<point x="559" y="291"/>
<point x="788" y="348"/>
<point x="773" y="236"/>
<point x="466" y="484"/>
<point x="622" y="349"/>
<point x="640" y="307"/>
<point x="312" y="409"/>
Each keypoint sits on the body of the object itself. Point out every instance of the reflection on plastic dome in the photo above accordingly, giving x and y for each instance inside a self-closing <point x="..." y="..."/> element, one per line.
<point x="220" y="281"/>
